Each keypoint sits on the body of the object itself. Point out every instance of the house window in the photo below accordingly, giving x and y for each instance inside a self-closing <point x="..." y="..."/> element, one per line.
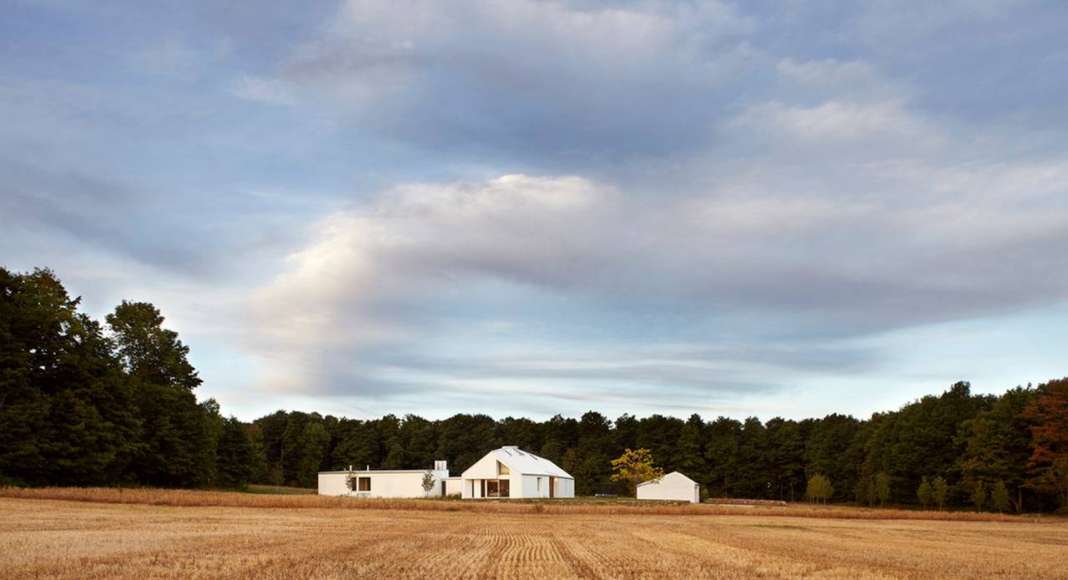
<point x="498" y="488"/>
<point x="538" y="480"/>
<point x="363" y="484"/>
<point x="502" y="469"/>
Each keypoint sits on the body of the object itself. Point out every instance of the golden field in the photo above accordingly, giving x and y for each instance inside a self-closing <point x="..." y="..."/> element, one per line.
<point x="179" y="534"/>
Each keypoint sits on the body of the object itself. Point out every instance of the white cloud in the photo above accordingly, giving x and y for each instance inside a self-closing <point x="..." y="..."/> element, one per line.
<point x="428" y="266"/>
<point x="836" y="121"/>
<point x="263" y="90"/>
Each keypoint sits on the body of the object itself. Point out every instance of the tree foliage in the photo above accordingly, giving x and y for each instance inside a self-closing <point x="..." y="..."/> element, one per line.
<point x="1048" y="463"/>
<point x="635" y="466"/>
<point x="924" y="493"/>
<point x="939" y="491"/>
<point x="83" y="403"/>
<point x="819" y="488"/>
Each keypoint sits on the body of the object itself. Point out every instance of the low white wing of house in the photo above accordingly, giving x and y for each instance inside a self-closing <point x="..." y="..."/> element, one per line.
<point x="672" y="487"/>
<point x="385" y="483"/>
<point x="510" y="472"/>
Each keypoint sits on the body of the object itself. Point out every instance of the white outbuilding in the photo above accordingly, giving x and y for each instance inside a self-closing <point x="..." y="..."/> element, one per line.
<point x="513" y="473"/>
<point x="672" y="487"/>
<point x="386" y="483"/>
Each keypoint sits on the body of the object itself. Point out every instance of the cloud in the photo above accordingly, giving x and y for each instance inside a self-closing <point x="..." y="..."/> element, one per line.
<point x="470" y="275"/>
<point x="652" y="205"/>
<point x="269" y="91"/>
<point x="834" y="120"/>
<point x="553" y="79"/>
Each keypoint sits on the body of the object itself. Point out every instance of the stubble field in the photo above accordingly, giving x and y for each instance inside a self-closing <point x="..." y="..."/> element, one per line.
<point x="45" y="538"/>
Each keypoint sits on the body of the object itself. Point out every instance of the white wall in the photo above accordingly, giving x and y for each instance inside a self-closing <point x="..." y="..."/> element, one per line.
<point x="564" y="487"/>
<point x="454" y="486"/>
<point x="333" y="484"/>
<point x="531" y="488"/>
<point x="383" y="484"/>
<point x="673" y="487"/>
<point x="485" y="468"/>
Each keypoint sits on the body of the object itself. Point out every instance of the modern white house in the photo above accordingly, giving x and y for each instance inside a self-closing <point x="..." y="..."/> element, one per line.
<point x="510" y="472"/>
<point x="385" y="483"/>
<point x="672" y="487"/>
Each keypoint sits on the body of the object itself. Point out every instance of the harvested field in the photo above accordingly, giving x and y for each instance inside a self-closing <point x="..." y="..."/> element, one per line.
<point x="198" y="498"/>
<point x="45" y="538"/>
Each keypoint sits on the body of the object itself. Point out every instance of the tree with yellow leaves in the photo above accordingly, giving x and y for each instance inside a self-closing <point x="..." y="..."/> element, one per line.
<point x="635" y="466"/>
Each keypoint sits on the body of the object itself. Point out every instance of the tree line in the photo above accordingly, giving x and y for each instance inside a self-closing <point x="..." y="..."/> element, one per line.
<point x="83" y="403"/>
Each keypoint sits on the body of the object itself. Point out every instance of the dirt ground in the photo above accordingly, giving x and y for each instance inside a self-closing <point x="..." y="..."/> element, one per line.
<point x="42" y="538"/>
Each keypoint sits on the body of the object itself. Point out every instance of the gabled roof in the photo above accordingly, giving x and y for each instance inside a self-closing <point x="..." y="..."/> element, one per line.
<point x="673" y="475"/>
<point x="526" y="463"/>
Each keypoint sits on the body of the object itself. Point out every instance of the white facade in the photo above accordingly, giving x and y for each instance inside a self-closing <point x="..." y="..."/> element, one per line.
<point x="672" y="487"/>
<point x="389" y="483"/>
<point x="453" y="486"/>
<point x="510" y="472"/>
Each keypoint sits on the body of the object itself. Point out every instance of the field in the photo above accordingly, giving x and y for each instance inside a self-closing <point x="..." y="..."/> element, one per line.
<point x="152" y="533"/>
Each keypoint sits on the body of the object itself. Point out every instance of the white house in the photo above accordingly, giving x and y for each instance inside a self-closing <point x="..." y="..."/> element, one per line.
<point x="514" y="473"/>
<point x="673" y="487"/>
<point x="395" y="483"/>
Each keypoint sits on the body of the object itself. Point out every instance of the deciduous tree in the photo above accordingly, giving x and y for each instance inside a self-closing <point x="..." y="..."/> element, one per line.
<point x="634" y="467"/>
<point x="1049" y="440"/>
<point x="819" y="488"/>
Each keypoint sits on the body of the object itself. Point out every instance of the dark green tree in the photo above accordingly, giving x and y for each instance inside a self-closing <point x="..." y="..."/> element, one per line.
<point x="65" y="405"/>
<point x="234" y="457"/>
<point x="997" y="444"/>
<point x="176" y="435"/>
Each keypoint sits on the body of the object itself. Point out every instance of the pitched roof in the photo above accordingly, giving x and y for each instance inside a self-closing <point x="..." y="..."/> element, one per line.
<point x="672" y="475"/>
<point x="527" y="463"/>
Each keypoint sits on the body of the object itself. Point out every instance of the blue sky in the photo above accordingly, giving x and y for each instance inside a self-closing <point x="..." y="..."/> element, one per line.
<point x="536" y="207"/>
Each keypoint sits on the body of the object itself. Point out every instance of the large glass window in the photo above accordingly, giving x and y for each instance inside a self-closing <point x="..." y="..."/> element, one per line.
<point x="363" y="484"/>
<point x="497" y="488"/>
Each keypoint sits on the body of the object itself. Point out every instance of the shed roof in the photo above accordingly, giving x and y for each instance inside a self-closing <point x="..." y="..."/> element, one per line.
<point x="673" y="475"/>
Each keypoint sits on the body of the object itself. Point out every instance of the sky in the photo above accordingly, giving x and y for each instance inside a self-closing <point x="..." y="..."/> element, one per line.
<point x="760" y="208"/>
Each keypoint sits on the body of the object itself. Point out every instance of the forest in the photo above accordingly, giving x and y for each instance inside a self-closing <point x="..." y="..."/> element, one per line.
<point x="85" y="403"/>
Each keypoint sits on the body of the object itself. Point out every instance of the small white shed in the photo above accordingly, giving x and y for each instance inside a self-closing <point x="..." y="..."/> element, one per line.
<point x="672" y="487"/>
<point x="510" y="472"/>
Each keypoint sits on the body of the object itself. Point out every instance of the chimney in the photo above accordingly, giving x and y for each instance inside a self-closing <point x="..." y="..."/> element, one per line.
<point x="441" y="465"/>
